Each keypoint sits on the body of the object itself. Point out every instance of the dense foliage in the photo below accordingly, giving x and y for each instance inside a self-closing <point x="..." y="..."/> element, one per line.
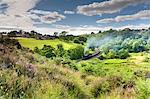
<point x="76" y="53"/>
<point x="62" y="74"/>
<point x="80" y="40"/>
<point x="50" y="52"/>
<point x="118" y="44"/>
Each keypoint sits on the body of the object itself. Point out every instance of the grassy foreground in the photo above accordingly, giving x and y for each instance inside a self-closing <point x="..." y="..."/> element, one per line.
<point x="32" y="43"/>
<point x="26" y="75"/>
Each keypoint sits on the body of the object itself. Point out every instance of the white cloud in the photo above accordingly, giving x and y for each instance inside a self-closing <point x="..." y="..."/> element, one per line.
<point x="84" y="29"/>
<point x="15" y="13"/>
<point x="145" y="14"/>
<point x="140" y="26"/>
<point x="69" y="12"/>
<point x="19" y="14"/>
<point x="108" y="7"/>
<point x="46" y="16"/>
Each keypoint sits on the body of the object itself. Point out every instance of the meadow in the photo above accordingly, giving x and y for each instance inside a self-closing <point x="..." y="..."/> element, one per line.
<point x="48" y="73"/>
<point x="32" y="43"/>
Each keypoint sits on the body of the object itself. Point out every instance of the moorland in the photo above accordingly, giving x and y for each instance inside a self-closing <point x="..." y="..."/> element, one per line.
<point x="61" y="66"/>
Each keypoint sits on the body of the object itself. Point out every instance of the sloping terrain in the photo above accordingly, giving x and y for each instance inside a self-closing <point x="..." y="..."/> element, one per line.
<point x="24" y="74"/>
<point x="32" y="43"/>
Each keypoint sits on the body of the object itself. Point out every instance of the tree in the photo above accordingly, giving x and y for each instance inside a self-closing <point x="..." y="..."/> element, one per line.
<point x="1" y="36"/>
<point x="76" y="41"/>
<point x="33" y="34"/>
<point x="138" y="46"/>
<point x="18" y="45"/>
<point x="12" y="34"/>
<point x="76" y="53"/>
<point x="56" y="33"/>
<point x="47" y="51"/>
<point x="148" y="44"/>
<point x="63" y="33"/>
<point x="82" y="38"/>
<point x="111" y="54"/>
<point x="36" y="50"/>
<point x="60" y="52"/>
<point x="92" y="33"/>
<point x="99" y="31"/>
<point x="123" y="54"/>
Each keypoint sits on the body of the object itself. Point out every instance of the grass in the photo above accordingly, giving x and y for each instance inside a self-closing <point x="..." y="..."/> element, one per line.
<point x="33" y="76"/>
<point x="32" y="43"/>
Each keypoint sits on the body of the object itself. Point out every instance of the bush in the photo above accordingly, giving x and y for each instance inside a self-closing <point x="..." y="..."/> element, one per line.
<point x="111" y="54"/>
<point x="76" y="53"/>
<point x="104" y="86"/>
<point x="36" y="50"/>
<point x="58" y="60"/>
<point x="47" y="51"/>
<point x="143" y="89"/>
<point x="123" y="54"/>
<point x="60" y="51"/>
<point x="76" y="41"/>
<point x="18" y="45"/>
<point x="146" y="59"/>
<point x="80" y="40"/>
<point x="101" y="88"/>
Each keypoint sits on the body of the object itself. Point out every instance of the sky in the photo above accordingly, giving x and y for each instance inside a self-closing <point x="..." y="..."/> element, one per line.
<point x="74" y="16"/>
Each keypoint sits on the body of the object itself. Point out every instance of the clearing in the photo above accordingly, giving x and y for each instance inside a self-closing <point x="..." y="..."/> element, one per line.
<point x="32" y="43"/>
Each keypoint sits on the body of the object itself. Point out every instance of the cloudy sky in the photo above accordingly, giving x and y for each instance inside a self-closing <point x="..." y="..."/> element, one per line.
<point x="73" y="16"/>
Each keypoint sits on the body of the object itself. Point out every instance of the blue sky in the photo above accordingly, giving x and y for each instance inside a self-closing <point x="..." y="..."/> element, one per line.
<point x="74" y="16"/>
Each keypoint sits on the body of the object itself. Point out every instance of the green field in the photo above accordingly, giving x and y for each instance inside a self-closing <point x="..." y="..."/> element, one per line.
<point x="35" y="76"/>
<point x="32" y="43"/>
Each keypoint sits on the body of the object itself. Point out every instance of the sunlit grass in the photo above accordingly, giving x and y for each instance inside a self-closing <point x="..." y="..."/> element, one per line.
<point x="32" y="43"/>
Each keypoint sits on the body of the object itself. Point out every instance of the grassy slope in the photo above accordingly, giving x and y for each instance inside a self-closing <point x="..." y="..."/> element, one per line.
<point x="127" y="69"/>
<point x="32" y="43"/>
<point x="57" y="81"/>
<point x="136" y="60"/>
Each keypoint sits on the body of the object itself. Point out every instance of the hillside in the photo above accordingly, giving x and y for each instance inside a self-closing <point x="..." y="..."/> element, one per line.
<point x="32" y="43"/>
<point x="29" y="74"/>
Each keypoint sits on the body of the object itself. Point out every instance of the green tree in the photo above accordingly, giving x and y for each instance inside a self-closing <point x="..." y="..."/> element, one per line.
<point x="12" y="34"/>
<point x="76" y="53"/>
<point x="36" y="50"/>
<point x="76" y="41"/>
<point x="56" y="33"/>
<point x="60" y="52"/>
<point x="111" y="54"/>
<point x="123" y="54"/>
<point x="82" y="38"/>
<point x="63" y="33"/>
<point x="47" y="51"/>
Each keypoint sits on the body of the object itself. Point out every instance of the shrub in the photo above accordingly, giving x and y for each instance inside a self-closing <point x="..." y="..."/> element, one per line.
<point x="143" y="89"/>
<point x="58" y="60"/>
<point x="146" y="59"/>
<point x="76" y="53"/>
<point x="104" y="86"/>
<point x="18" y="45"/>
<point x="111" y="54"/>
<point x="100" y="87"/>
<point x="60" y="51"/>
<point x="123" y="54"/>
<point x="36" y="50"/>
<point x="47" y="51"/>
<point x="76" y="41"/>
<point x="81" y="38"/>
